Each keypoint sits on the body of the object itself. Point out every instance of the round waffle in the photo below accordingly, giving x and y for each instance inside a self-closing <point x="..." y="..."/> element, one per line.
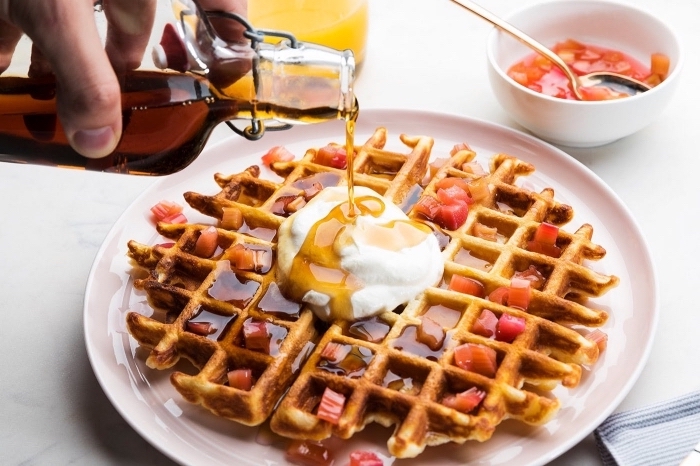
<point x="384" y="371"/>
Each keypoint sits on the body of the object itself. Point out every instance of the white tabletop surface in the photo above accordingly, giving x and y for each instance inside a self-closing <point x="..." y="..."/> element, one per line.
<point x="423" y="54"/>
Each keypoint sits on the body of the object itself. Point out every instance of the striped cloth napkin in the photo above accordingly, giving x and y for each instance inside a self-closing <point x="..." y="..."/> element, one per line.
<point x="659" y="435"/>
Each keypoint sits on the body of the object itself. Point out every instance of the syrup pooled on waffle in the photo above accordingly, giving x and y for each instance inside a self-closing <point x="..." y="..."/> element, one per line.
<point x="490" y="341"/>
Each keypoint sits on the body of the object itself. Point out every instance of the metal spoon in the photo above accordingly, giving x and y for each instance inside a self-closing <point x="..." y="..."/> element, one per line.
<point x="616" y="82"/>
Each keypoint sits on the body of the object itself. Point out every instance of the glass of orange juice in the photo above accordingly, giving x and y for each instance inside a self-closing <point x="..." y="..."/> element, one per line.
<point x="339" y="24"/>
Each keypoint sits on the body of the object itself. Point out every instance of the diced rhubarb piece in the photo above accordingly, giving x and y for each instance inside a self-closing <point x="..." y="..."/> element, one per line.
<point x="460" y="147"/>
<point x="600" y="93"/>
<point x="485" y="232"/>
<point x="579" y="66"/>
<point x="485" y="324"/>
<point x="479" y="189"/>
<point x="518" y="76"/>
<point x="277" y="154"/>
<point x="474" y="168"/>
<point x="453" y="216"/>
<point x="436" y="165"/>
<point x="551" y="250"/>
<point x="430" y="333"/>
<point x="296" y="204"/>
<point x="256" y="336"/>
<point x="245" y="258"/>
<point x="310" y="193"/>
<point x="509" y="327"/>
<point x="165" y="209"/>
<point x="231" y="218"/>
<point x="308" y="453"/>
<point x="600" y="338"/>
<point x="466" y="285"/>
<point x="280" y="205"/>
<point x="453" y="195"/>
<point x="332" y="155"/>
<point x="546" y="233"/>
<point x="207" y="243"/>
<point x="589" y="55"/>
<point x="476" y="358"/>
<point x="241" y="379"/>
<point x="175" y="219"/>
<point x="331" y="407"/>
<point x="466" y="401"/>
<point x="200" y="328"/>
<point x="519" y="293"/>
<point x="427" y="206"/>
<point x="499" y="295"/>
<point x="660" y="65"/>
<point x="450" y="181"/>
<point x="335" y="352"/>
<point x="365" y="458"/>
<point x="653" y="80"/>
<point x="533" y="275"/>
<point x="570" y="45"/>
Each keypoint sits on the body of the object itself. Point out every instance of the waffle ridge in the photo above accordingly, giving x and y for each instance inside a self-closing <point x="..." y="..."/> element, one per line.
<point x="391" y="377"/>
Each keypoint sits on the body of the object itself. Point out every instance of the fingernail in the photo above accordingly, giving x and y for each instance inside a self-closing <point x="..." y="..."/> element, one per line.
<point x="94" y="143"/>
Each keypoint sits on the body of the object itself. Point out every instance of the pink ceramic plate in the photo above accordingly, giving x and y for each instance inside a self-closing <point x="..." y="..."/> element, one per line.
<point x="191" y="435"/>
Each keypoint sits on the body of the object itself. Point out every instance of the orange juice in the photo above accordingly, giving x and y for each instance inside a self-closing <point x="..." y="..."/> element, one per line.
<point x="339" y="24"/>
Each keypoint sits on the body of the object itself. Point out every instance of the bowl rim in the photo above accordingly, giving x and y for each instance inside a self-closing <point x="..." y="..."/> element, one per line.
<point x="496" y="32"/>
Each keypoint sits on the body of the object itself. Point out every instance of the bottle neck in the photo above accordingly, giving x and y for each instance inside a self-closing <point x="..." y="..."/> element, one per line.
<point x="306" y="77"/>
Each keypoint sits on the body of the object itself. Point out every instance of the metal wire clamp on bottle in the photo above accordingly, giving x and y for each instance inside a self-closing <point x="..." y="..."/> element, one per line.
<point x="257" y="128"/>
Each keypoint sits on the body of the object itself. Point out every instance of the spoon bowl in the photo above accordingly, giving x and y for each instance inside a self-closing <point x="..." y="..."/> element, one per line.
<point x="608" y="24"/>
<point x="614" y="81"/>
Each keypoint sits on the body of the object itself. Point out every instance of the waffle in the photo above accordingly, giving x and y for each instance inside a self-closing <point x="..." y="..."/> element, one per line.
<point x="386" y="374"/>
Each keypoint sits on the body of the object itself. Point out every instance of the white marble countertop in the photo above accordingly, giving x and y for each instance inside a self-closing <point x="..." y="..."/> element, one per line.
<point x="422" y="55"/>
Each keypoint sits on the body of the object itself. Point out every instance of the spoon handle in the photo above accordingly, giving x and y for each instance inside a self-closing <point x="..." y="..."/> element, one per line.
<point x="520" y="35"/>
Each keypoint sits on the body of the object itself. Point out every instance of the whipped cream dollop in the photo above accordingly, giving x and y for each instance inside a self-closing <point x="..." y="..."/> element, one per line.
<point x="349" y="265"/>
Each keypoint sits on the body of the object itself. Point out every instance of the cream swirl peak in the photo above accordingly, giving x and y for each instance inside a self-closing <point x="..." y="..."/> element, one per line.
<point x="352" y="267"/>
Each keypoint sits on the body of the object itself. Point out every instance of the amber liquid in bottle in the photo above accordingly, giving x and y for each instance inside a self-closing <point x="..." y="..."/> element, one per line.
<point x="167" y="118"/>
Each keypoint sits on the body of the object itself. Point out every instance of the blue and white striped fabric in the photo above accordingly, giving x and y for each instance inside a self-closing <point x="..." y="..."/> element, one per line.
<point x="659" y="435"/>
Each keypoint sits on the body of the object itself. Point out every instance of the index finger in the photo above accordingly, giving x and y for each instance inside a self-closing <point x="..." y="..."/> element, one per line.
<point x="129" y="29"/>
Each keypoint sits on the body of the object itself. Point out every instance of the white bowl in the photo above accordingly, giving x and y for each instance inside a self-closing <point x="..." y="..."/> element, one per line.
<point x="603" y="23"/>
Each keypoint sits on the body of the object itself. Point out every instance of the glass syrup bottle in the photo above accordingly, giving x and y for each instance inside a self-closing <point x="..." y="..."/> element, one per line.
<point x="168" y="114"/>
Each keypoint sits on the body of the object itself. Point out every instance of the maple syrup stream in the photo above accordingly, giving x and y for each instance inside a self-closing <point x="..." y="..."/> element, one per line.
<point x="350" y="121"/>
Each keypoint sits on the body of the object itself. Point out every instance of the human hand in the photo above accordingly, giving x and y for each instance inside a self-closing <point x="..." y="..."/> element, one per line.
<point x="66" y="43"/>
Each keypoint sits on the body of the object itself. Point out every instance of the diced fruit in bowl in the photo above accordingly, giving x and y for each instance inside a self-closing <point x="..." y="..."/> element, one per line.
<point x="537" y="99"/>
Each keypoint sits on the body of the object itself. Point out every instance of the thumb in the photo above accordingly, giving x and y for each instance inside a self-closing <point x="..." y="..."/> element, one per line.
<point x="88" y="94"/>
